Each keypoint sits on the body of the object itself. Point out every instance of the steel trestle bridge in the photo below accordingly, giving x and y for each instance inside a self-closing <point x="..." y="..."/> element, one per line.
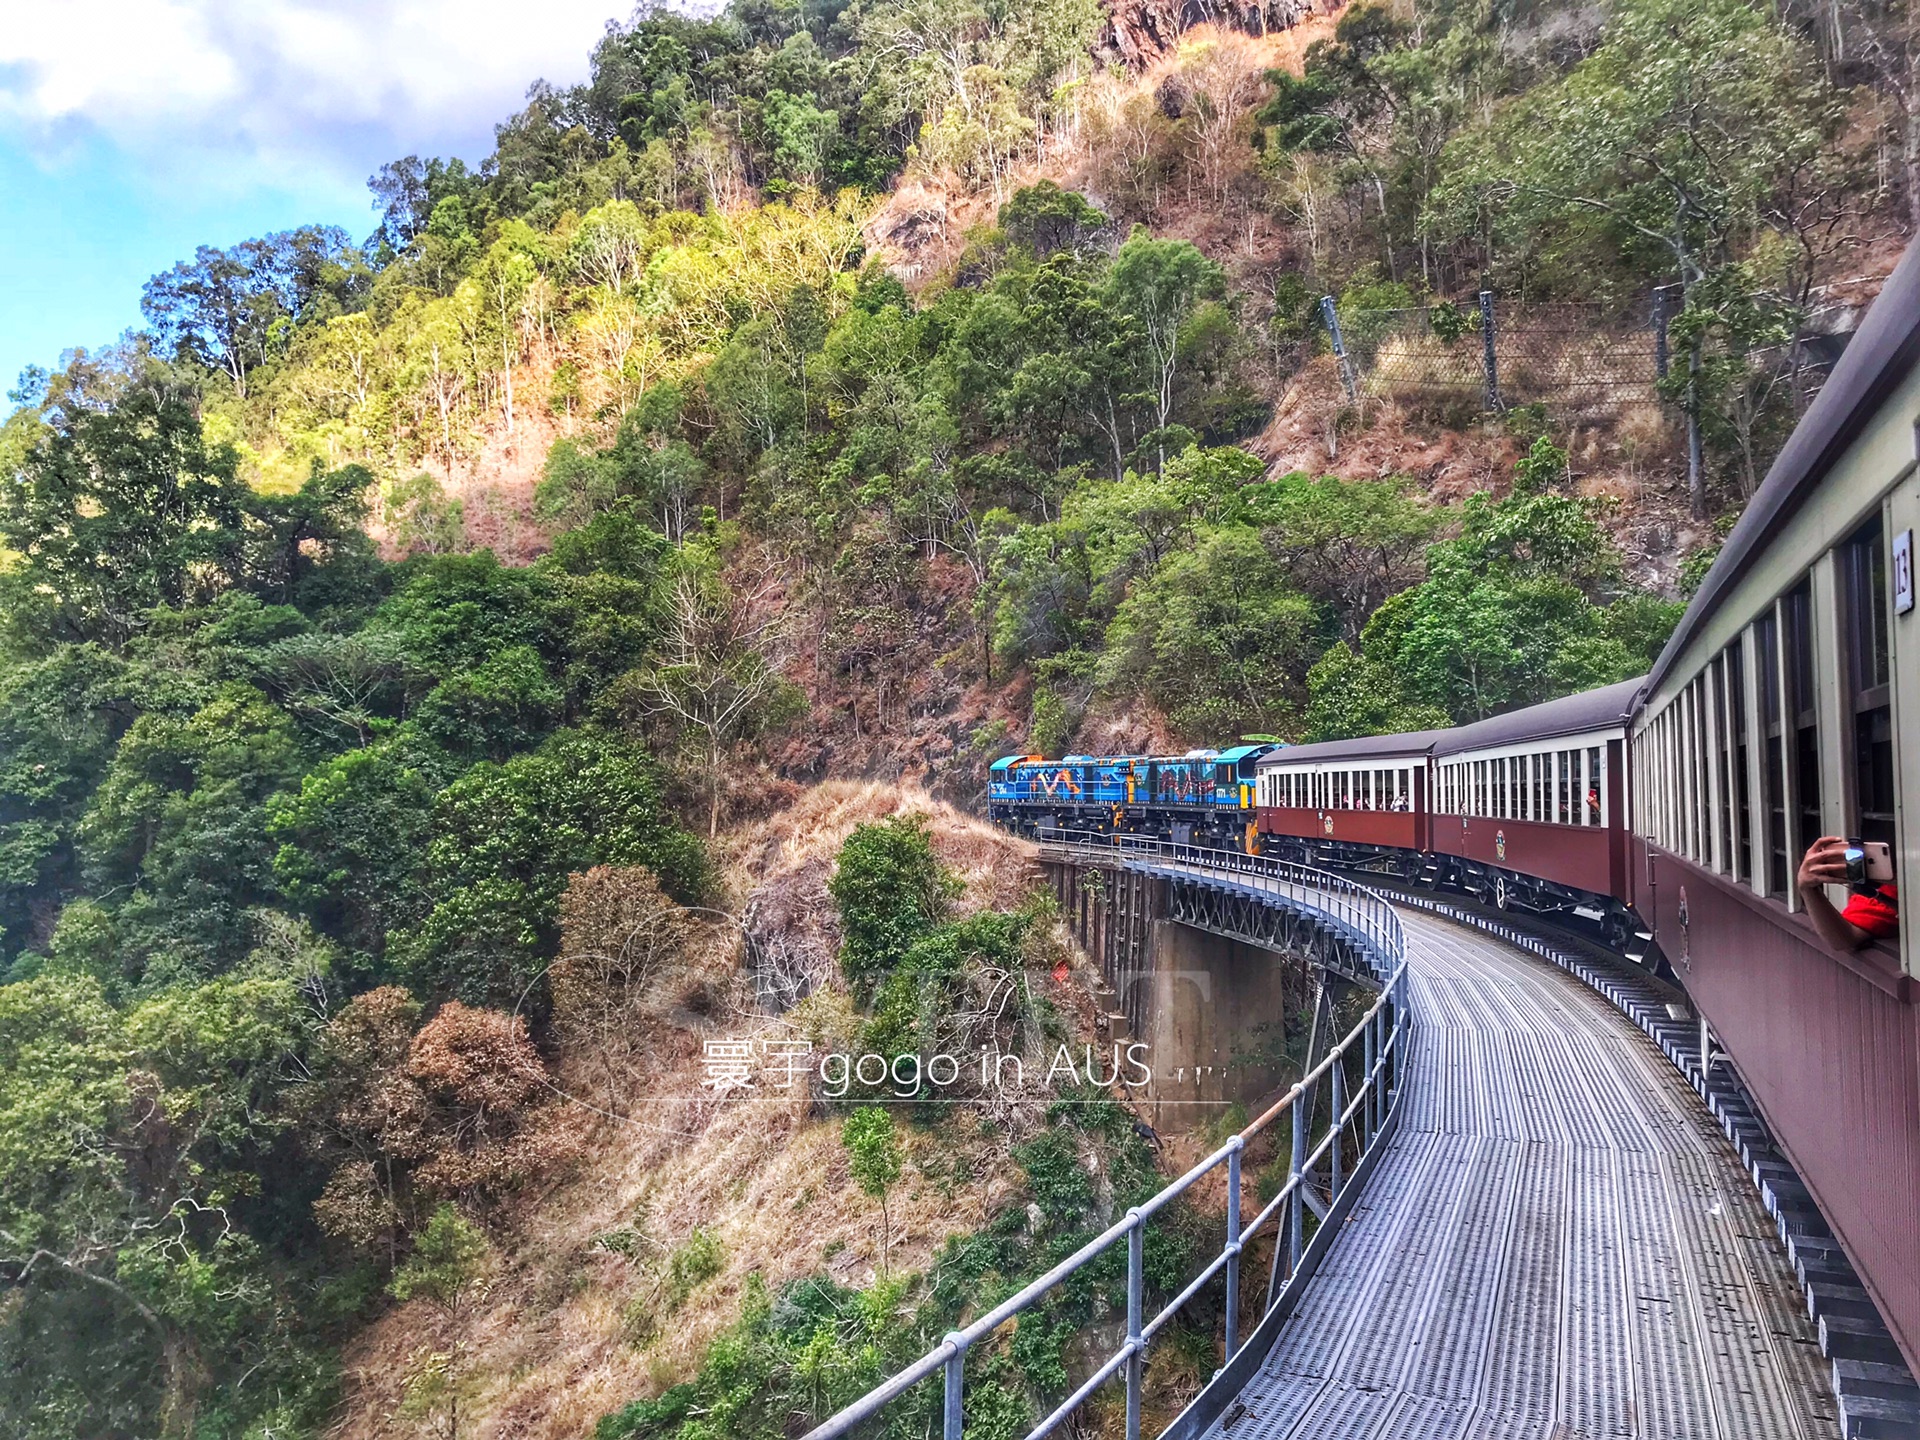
<point x="1522" y="1226"/>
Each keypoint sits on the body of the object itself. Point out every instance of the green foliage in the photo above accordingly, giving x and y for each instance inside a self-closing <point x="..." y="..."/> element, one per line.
<point x="505" y="839"/>
<point x="448" y="1263"/>
<point x="1048" y="729"/>
<point x="352" y="839"/>
<point x="694" y="1262"/>
<point x="1541" y="468"/>
<point x="1045" y="218"/>
<point x="1056" y="1177"/>
<point x="1214" y="637"/>
<point x="1353" y="695"/>
<point x="1672" y="142"/>
<point x="873" y="1150"/>
<point x="1511" y="614"/>
<point x="116" y="510"/>
<point x="891" y="891"/>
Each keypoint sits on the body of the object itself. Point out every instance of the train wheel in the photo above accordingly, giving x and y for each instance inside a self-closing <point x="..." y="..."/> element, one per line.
<point x="1501" y="900"/>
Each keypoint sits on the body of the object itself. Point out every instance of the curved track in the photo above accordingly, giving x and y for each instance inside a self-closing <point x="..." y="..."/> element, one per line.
<point x="1559" y="1243"/>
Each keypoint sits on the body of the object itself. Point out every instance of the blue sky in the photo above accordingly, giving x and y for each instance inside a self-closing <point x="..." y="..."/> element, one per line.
<point x="132" y="131"/>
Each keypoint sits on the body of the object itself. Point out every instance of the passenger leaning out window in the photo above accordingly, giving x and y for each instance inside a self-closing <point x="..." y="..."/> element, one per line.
<point x="1873" y="909"/>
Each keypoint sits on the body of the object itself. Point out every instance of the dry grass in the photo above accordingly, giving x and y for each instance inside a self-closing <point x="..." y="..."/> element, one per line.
<point x="551" y="1341"/>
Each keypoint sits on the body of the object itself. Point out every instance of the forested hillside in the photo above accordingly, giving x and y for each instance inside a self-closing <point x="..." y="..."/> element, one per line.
<point x="819" y="392"/>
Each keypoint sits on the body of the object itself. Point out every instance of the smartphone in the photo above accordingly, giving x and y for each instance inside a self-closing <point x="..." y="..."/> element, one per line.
<point x="1869" y="862"/>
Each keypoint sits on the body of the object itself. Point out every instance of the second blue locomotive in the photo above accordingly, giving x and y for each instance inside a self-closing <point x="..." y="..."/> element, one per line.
<point x="1202" y="797"/>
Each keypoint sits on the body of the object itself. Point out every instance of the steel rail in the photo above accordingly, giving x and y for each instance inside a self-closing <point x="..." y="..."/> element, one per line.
<point x="1371" y="923"/>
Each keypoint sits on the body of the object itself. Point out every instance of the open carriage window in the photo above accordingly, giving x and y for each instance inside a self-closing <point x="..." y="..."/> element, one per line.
<point x="1864" y="602"/>
<point x="1803" y="716"/>
<point x="1773" y="739"/>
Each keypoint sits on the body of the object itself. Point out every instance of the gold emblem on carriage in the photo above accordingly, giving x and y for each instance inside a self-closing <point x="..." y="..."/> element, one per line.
<point x="1500" y="844"/>
<point x="1326" y="823"/>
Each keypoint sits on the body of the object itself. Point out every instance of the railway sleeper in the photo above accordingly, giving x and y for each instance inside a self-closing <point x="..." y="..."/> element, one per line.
<point x="1876" y="1394"/>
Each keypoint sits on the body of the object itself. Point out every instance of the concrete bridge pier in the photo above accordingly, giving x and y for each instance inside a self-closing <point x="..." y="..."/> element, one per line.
<point x="1223" y="1020"/>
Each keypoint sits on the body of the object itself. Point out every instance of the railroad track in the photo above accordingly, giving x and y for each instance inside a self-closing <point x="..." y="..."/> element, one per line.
<point x="1558" y="1244"/>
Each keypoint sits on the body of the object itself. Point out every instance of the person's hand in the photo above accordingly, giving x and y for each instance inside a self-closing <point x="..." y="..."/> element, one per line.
<point x="1825" y="863"/>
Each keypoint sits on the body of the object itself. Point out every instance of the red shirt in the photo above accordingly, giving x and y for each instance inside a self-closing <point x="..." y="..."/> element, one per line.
<point x="1877" y="912"/>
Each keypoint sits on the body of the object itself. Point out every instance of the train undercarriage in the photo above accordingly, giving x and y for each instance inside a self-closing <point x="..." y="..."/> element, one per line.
<point x="1602" y="917"/>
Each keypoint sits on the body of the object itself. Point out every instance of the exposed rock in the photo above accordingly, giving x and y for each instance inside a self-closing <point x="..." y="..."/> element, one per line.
<point x="1138" y="32"/>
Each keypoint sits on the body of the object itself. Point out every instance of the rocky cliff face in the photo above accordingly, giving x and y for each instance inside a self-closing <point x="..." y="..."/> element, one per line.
<point x="1140" y="31"/>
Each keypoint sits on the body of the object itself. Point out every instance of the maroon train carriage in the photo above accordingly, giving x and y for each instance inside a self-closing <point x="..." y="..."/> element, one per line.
<point x="1785" y="708"/>
<point x="1358" y="803"/>
<point x="1527" y="810"/>
<point x="1531" y="809"/>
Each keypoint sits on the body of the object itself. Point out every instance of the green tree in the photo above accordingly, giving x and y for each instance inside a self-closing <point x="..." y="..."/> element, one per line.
<point x="117" y="510"/>
<point x="1162" y="284"/>
<point x="449" y="1263"/>
<point x="1045" y="219"/>
<point x="447" y="1269"/>
<point x="507" y="836"/>
<point x="1349" y="695"/>
<point x="352" y="840"/>
<point x="1693" y="131"/>
<point x="1217" y="637"/>
<point x="874" y="1161"/>
<point x="890" y="890"/>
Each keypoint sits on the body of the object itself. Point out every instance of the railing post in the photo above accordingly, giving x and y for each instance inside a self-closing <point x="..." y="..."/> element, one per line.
<point x="1399" y="1030"/>
<point x="1135" y="1277"/>
<point x="1366" y="1085"/>
<point x="956" y="1378"/>
<point x="1296" y="1204"/>
<point x="1233" y="1246"/>
<point x="1339" y="1077"/>
<point x="1378" y="1100"/>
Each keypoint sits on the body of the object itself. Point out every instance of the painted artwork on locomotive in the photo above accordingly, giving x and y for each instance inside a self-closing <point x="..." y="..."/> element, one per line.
<point x="1200" y="780"/>
<point x="1031" y="780"/>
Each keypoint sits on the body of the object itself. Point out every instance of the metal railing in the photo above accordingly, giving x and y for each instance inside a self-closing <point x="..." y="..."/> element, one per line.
<point x="1380" y="1037"/>
<point x="1366" y="915"/>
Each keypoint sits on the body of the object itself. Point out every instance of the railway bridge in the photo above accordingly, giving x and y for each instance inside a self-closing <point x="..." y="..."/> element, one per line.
<point x="1507" y="1214"/>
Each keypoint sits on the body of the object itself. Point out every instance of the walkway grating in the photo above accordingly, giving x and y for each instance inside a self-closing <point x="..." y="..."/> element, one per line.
<point x="1559" y="1245"/>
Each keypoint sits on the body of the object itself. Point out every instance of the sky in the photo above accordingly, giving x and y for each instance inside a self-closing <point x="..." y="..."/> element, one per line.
<point x="132" y="131"/>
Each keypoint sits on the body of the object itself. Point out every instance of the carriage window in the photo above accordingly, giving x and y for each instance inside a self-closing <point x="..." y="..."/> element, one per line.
<point x="1722" y="732"/>
<point x="1773" y="771"/>
<point x="1864" y="576"/>
<point x="1804" y="715"/>
<point x="1688" y="789"/>
<point x="1702" y="785"/>
<point x="1741" y="836"/>
<point x="1594" y="798"/>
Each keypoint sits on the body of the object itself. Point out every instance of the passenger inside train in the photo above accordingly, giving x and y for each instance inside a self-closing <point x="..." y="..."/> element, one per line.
<point x="1872" y="911"/>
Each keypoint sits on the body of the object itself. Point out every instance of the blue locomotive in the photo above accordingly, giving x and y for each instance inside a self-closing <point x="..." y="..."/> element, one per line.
<point x="1203" y="796"/>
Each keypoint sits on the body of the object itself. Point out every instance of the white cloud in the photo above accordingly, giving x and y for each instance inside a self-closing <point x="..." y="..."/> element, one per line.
<point x="234" y="92"/>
